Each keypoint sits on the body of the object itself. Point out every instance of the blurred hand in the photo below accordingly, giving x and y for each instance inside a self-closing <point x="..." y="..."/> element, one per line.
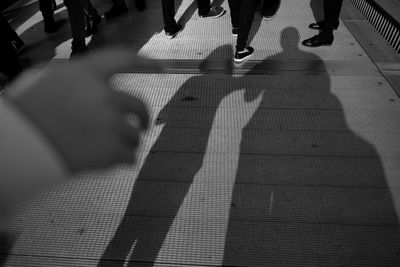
<point x="78" y="111"/>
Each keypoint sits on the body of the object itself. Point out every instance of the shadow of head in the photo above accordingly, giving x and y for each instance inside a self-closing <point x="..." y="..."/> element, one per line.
<point x="290" y="39"/>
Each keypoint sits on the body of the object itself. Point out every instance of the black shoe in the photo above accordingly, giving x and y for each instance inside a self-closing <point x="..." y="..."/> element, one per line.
<point x="318" y="40"/>
<point x="78" y="52"/>
<point x="140" y="4"/>
<point x="116" y="10"/>
<point x="78" y="49"/>
<point x="174" y="33"/>
<point x="243" y="55"/>
<point x="214" y="12"/>
<point x="270" y="10"/>
<point x="320" y="25"/>
<point x="235" y="31"/>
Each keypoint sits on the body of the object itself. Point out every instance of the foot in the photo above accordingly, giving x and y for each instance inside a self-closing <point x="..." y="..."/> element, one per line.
<point x="78" y="53"/>
<point x="215" y="12"/>
<point x="270" y="9"/>
<point x="140" y="4"/>
<point x="319" y="40"/>
<point x="78" y="49"/>
<point x="320" y="25"/>
<point x="174" y="33"/>
<point x="116" y="10"/>
<point x="235" y="31"/>
<point x="241" y="56"/>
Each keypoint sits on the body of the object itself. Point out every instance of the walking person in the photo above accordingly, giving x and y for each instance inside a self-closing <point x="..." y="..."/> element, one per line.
<point x="242" y="14"/>
<point x="331" y="22"/>
<point x="205" y="10"/>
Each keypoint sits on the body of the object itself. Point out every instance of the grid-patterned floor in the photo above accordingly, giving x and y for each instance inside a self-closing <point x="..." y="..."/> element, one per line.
<point x="291" y="160"/>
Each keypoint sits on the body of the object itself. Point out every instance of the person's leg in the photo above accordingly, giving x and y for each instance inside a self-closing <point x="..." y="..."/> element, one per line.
<point x="118" y="8"/>
<point x="331" y="21"/>
<point x="331" y="14"/>
<point x="92" y="12"/>
<point x="92" y="18"/>
<point x="168" y="8"/>
<point x="270" y="8"/>
<point x="77" y="21"/>
<point x="246" y="15"/>
<point x="46" y="7"/>
<point x="234" y="6"/>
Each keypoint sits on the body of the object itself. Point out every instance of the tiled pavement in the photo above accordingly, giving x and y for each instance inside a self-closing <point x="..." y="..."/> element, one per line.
<point x="292" y="159"/>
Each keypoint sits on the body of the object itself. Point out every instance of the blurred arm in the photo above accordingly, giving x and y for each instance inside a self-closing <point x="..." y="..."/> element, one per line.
<point x="28" y="162"/>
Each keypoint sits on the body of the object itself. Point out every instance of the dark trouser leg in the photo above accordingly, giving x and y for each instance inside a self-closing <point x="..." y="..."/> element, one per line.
<point x="268" y="5"/>
<point x="234" y="6"/>
<point x="246" y="15"/>
<point x="46" y="8"/>
<point x="203" y="6"/>
<point x="90" y="9"/>
<point x="76" y="14"/>
<point x="168" y="8"/>
<point x="331" y="13"/>
<point x="9" y="64"/>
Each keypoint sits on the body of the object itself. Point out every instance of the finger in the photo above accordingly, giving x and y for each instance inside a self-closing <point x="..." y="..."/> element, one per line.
<point x="113" y="60"/>
<point x="131" y="104"/>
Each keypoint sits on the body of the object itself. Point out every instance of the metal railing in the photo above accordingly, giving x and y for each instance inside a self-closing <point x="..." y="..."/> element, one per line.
<point x="383" y="22"/>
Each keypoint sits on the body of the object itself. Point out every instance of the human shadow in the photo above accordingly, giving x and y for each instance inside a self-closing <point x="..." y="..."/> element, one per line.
<point x="308" y="190"/>
<point x="158" y="194"/>
<point x="317" y="7"/>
